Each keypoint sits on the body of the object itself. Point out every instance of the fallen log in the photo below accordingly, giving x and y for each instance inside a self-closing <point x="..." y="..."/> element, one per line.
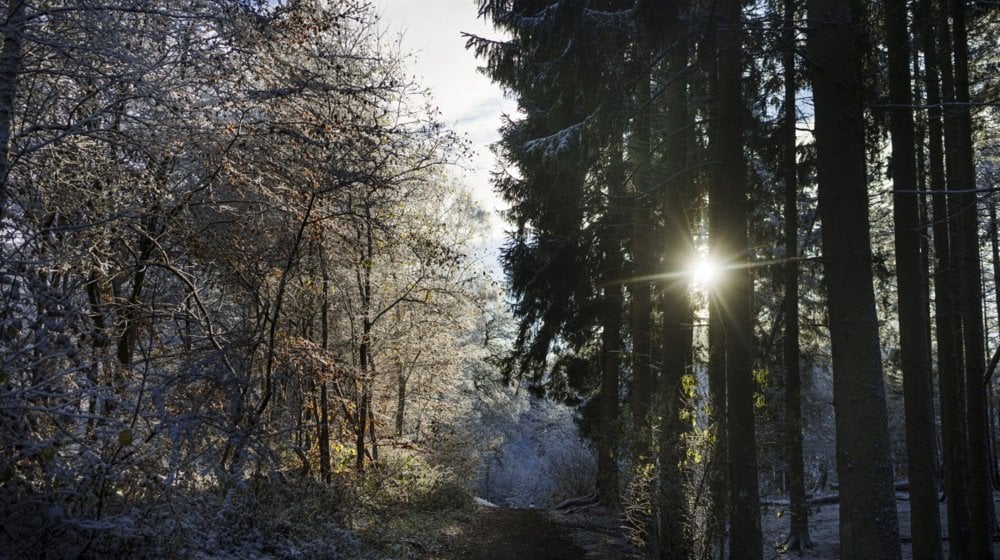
<point x="578" y="502"/>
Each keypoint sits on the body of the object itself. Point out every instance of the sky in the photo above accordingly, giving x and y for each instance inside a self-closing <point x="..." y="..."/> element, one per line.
<point x="431" y="30"/>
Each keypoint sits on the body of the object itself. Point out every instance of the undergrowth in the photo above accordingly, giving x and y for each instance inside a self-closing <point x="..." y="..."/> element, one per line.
<point x="396" y="511"/>
<point x="404" y="506"/>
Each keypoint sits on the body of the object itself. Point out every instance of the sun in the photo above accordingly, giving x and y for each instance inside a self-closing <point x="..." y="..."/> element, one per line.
<point x="705" y="272"/>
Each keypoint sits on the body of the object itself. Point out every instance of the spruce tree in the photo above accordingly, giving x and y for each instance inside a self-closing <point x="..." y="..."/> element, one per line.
<point x="912" y="309"/>
<point x="868" y="522"/>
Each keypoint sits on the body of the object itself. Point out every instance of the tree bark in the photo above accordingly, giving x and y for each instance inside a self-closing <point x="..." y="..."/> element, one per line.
<point x="798" y="535"/>
<point x="719" y="466"/>
<point x="962" y="177"/>
<point x="324" y="403"/>
<point x="366" y="239"/>
<point x="611" y="325"/>
<point x="734" y="289"/>
<point x="640" y="289"/>
<point x="995" y="251"/>
<point x="362" y="426"/>
<point x="868" y="522"/>
<point x="947" y="324"/>
<point x="10" y="68"/>
<point x="676" y="311"/>
<point x="607" y="466"/>
<point x="372" y="436"/>
<point x="324" y="433"/>
<point x="400" y="402"/>
<point x="719" y="483"/>
<point x="918" y="393"/>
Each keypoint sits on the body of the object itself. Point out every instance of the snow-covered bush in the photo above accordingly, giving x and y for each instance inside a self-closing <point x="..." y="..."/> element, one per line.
<point x="532" y="453"/>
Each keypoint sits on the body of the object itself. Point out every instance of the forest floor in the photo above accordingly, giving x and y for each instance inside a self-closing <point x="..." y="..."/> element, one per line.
<point x="595" y="534"/>
<point x="824" y="527"/>
<point x="530" y="534"/>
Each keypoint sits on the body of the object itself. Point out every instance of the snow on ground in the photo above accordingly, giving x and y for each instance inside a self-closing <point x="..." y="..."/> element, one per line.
<point x="823" y="528"/>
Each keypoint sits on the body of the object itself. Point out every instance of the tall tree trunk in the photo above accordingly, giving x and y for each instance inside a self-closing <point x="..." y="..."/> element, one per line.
<point x="719" y="466"/>
<point x="10" y="68"/>
<point x="324" y="433"/>
<point x="640" y="289"/>
<point x="611" y="349"/>
<point x="366" y="240"/>
<point x="947" y="324"/>
<point x="798" y="534"/>
<point x="962" y="177"/>
<point x="735" y="289"/>
<point x="868" y="523"/>
<point x="719" y="482"/>
<point x="324" y="403"/>
<point x="676" y="310"/>
<point x="371" y="429"/>
<point x="611" y="326"/>
<point x="362" y="425"/>
<point x="995" y="251"/>
<point x="400" y="401"/>
<point x="918" y="392"/>
<point x="403" y="378"/>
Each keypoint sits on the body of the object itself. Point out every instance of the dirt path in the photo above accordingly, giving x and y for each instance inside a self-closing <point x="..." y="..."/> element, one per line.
<point x="513" y="534"/>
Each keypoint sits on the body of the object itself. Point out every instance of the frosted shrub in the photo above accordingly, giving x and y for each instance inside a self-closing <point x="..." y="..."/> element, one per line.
<point x="537" y="457"/>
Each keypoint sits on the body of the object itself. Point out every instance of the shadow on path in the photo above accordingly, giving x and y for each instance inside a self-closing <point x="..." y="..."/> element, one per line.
<point x="513" y="534"/>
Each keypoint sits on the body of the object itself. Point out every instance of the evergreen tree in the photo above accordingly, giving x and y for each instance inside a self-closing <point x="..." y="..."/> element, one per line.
<point x="565" y="260"/>
<point x="868" y="522"/>
<point x="912" y="309"/>
<point x="671" y="187"/>
<point x="798" y="536"/>
<point x="946" y="319"/>
<point x="735" y="287"/>
<point x="961" y="179"/>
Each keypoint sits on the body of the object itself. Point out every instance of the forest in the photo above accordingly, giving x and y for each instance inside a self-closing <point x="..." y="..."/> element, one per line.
<point x="748" y="305"/>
